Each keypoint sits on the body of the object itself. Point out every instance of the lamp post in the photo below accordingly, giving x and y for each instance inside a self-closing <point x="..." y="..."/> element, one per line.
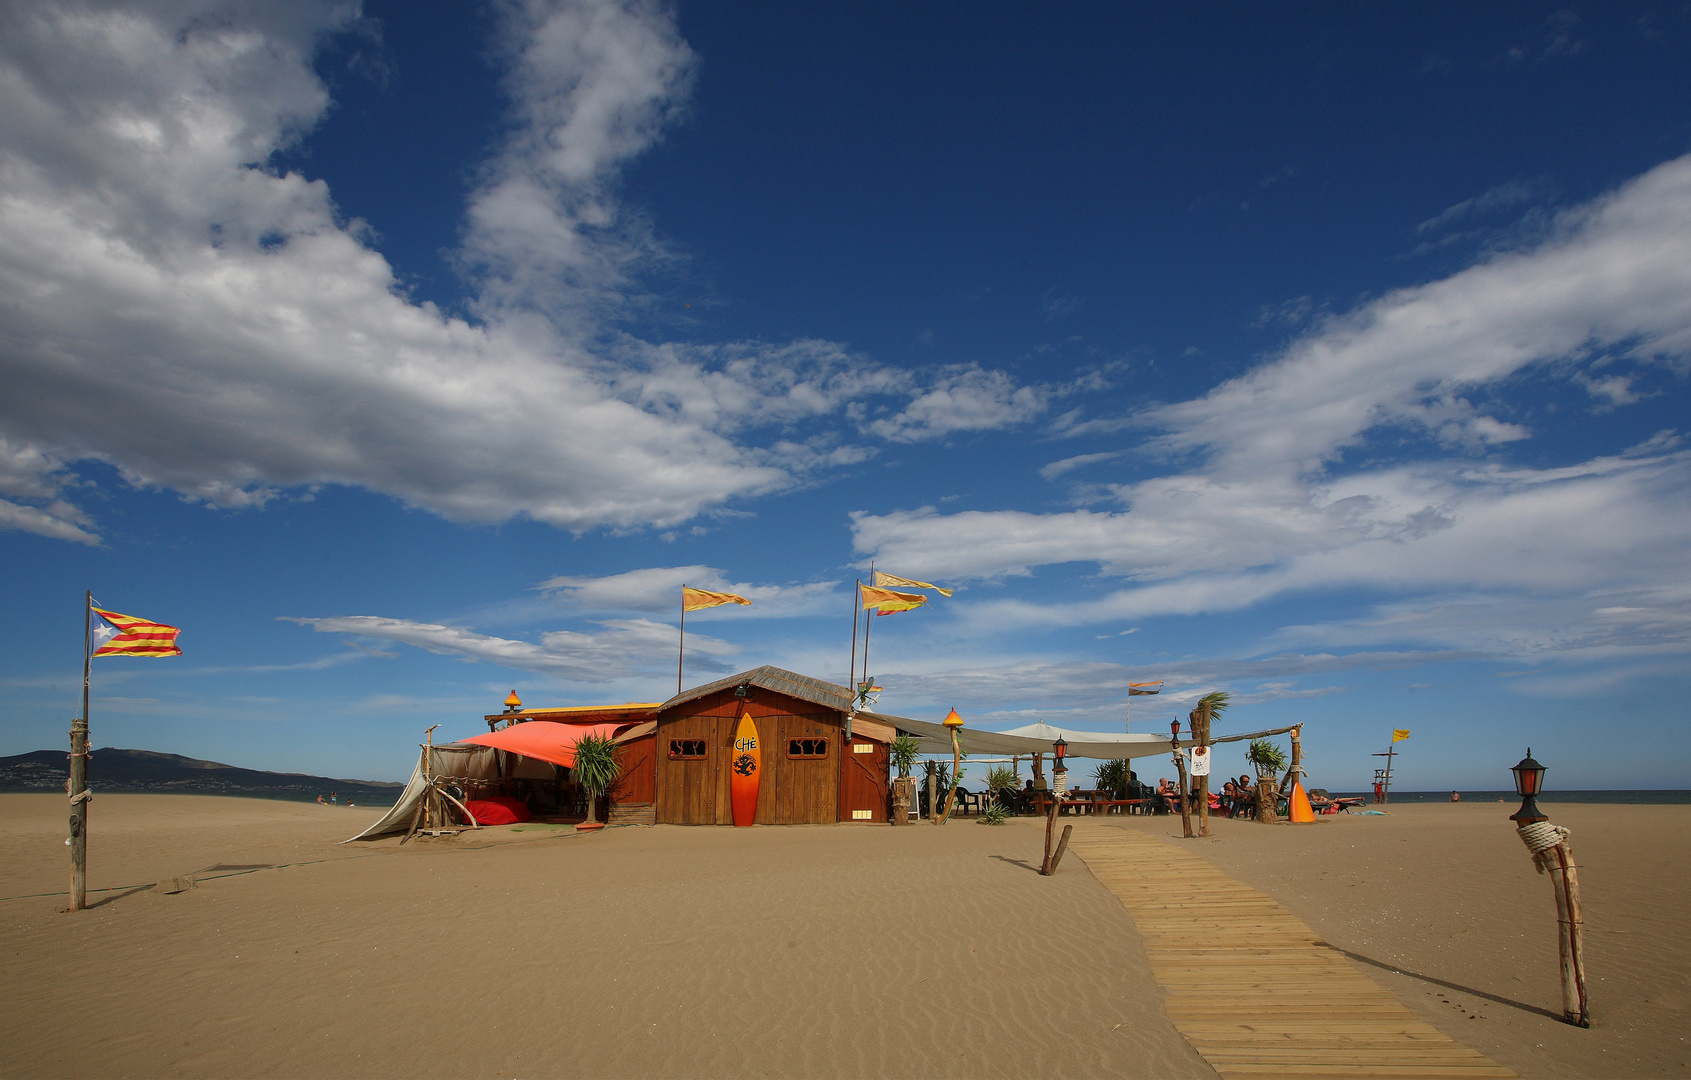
<point x="1552" y="854"/>
<point x="952" y="723"/>
<point x="1529" y="781"/>
<point x="1060" y="784"/>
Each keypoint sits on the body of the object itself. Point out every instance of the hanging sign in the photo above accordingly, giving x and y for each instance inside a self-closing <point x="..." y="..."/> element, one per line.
<point x="1200" y="761"/>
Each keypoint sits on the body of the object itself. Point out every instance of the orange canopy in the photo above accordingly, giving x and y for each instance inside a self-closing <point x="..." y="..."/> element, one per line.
<point x="545" y="739"/>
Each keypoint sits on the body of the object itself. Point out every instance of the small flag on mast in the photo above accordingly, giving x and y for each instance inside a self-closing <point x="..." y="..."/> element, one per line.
<point x="1399" y="734"/>
<point x="695" y="599"/>
<point x="882" y="578"/>
<point x="1139" y="689"/>
<point x="125" y="635"/>
<point x="889" y="602"/>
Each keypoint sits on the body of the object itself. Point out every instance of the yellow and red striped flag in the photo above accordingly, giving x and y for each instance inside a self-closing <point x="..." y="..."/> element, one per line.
<point x="694" y="599"/>
<point x="883" y="578"/>
<point x="125" y="635"/>
<point x="888" y="601"/>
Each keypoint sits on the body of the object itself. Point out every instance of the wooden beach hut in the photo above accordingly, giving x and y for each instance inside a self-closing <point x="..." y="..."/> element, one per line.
<point x="819" y="764"/>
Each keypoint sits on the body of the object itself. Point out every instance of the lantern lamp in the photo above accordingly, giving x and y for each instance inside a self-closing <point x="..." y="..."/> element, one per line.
<point x="1061" y="749"/>
<point x="1529" y="783"/>
<point x="513" y="703"/>
<point x="952" y="720"/>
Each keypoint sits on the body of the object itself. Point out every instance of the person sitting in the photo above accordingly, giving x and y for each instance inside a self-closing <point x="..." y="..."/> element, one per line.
<point x="1228" y="803"/>
<point x="1168" y="796"/>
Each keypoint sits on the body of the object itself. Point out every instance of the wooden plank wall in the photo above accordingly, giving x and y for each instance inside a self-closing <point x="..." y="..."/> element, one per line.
<point x="792" y="791"/>
<point x="863" y="780"/>
<point x="638" y="778"/>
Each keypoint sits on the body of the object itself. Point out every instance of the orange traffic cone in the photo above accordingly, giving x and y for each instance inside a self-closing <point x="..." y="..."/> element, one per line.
<point x="1302" y="812"/>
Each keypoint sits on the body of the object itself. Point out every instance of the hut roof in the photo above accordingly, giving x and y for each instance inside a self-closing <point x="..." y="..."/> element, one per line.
<point x="791" y="683"/>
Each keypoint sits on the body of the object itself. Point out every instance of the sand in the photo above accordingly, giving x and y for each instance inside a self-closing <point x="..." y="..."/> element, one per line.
<point x="1442" y="904"/>
<point x="799" y="951"/>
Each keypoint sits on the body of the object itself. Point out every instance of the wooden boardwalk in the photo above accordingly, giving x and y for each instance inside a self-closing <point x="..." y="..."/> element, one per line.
<point x="1252" y="988"/>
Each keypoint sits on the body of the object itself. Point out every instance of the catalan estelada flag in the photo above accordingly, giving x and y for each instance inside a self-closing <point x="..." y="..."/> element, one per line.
<point x="888" y="601"/>
<point x="694" y="599"/>
<point x="125" y="635"/>
<point x="908" y="583"/>
<point x="1400" y="734"/>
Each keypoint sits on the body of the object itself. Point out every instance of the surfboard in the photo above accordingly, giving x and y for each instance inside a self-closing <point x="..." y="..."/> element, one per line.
<point x="745" y="771"/>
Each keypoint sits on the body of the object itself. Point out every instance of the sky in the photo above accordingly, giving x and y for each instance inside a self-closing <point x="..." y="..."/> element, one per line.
<point x="406" y="354"/>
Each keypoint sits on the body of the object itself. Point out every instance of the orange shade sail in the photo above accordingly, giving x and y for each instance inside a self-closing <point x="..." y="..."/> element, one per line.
<point x="545" y="740"/>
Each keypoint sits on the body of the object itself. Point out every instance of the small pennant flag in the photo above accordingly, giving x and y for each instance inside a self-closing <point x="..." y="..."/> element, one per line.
<point x="125" y="635"/>
<point x="694" y="599"/>
<point x="889" y="602"/>
<point x="908" y="583"/>
<point x="1135" y="689"/>
<point x="1399" y="734"/>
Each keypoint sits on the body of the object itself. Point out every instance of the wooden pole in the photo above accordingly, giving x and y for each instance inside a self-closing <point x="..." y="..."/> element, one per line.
<point x="1050" y="826"/>
<point x="1552" y="854"/>
<point x="432" y="819"/>
<point x="851" y="675"/>
<point x="1295" y="769"/>
<point x="1201" y="731"/>
<point x="933" y="816"/>
<point x="681" y="652"/>
<point x="1180" y="770"/>
<point x="956" y="767"/>
<point x="78" y="786"/>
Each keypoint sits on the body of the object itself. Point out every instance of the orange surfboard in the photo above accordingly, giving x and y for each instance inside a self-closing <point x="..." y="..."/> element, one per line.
<point x="745" y="771"/>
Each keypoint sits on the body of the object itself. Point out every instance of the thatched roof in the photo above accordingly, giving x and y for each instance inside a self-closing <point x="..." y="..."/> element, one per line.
<point x="791" y="683"/>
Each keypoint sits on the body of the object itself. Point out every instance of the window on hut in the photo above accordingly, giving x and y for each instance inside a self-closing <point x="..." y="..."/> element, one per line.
<point x="807" y="748"/>
<point x="684" y="749"/>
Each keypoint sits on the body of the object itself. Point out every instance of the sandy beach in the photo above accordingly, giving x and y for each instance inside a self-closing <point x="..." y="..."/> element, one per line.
<point x="778" y="951"/>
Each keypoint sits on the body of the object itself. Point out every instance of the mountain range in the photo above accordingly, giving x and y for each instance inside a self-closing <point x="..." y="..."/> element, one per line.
<point x="111" y="769"/>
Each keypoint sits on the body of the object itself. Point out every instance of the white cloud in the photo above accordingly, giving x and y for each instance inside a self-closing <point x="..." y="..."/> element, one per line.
<point x="969" y="399"/>
<point x="627" y="646"/>
<point x="658" y="588"/>
<point x="1267" y="505"/>
<point x="1067" y="465"/>
<point x="213" y="327"/>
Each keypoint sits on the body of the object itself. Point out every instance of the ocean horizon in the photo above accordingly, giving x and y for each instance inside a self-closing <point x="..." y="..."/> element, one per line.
<point x="1650" y="797"/>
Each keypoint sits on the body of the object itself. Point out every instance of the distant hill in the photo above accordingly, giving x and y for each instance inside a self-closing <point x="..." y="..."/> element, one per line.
<point x="114" y="770"/>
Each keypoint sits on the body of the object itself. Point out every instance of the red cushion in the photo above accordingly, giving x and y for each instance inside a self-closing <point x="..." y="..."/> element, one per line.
<point x="499" y="810"/>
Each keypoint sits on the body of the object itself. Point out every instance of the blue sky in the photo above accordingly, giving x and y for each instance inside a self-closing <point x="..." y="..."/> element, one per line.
<point x="405" y="354"/>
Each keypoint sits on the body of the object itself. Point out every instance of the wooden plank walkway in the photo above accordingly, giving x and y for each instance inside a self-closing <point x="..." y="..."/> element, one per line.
<point x="1251" y="987"/>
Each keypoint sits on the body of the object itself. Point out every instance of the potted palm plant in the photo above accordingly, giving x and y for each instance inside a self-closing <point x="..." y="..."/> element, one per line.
<point x="596" y="768"/>
<point x="1268" y="759"/>
<point x="902" y="753"/>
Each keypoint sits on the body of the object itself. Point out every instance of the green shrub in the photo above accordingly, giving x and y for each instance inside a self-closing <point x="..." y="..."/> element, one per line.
<point x="993" y="813"/>
<point x="1268" y="758"/>
<point x="1111" y="776"/>
<point x="902" y="751"/>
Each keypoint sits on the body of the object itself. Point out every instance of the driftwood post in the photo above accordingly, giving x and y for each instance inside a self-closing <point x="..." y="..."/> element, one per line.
<point x="1052" y="858"/>
<point x="1552" y="854"/>
<point x="1180" y="770"/>
<point x="432" y="816"/>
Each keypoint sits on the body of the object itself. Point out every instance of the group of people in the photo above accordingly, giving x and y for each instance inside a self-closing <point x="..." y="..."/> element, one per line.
<point x="1235" y="798"/>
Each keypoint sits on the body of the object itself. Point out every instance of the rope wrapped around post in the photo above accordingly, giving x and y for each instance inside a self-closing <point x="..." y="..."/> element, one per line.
<point x="1552" y="854"/>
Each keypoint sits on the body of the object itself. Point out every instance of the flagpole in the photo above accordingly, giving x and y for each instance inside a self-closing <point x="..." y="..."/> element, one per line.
<point x="683" y="648"/>
<point x="851" y="676"/>
<point x="78" y="787"/>
<point x="866" y="625"/>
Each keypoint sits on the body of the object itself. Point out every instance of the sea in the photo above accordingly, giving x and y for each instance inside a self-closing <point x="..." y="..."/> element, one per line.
<point x="1635" y="798"/>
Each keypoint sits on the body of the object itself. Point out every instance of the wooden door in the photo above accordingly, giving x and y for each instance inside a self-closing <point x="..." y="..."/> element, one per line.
<point x="689" y="759"/>
<point x="807" y="786"/>
<point x="864" y="788"/>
